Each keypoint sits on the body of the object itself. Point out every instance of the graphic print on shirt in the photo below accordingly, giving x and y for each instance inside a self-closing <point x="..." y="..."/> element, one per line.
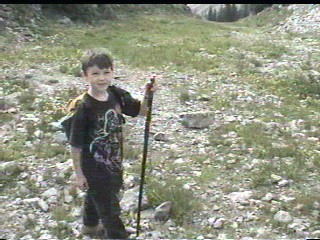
<point x="106" y="147"/>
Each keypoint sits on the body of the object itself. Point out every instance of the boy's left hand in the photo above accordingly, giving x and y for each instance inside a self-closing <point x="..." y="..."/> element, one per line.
<point x="154" y="87"/>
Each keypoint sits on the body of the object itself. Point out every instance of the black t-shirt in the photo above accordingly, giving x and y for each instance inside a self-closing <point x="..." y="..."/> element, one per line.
<point x="96" y="129"/>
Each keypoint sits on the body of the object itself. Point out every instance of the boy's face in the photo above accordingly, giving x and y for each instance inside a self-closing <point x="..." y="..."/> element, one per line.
<point x="99" y="79"/>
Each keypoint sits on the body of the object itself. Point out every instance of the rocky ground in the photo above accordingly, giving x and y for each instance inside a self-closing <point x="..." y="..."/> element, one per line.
<point x="43" y="203"/>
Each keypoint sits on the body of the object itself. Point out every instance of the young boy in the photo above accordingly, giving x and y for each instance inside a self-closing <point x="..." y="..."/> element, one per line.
<point x="95" y="140"/>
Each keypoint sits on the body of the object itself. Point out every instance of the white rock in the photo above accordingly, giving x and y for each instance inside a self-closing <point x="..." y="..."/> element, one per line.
<point x="50" y="192"/>
<point x="160" y="136"/>
<point x="275" y="178"/>
<point x="26" y="237"/>
<point x="31" y="200"/>
<point x="283" y="216"/>
<point x="38" y="134"/>
<point x="179" y="160"/>
<point x="215" y="208"/>
<point x="283" y="183"/>
<point x="60" y="137"/>
<point x="211" y="221"/>
<point x="43" y="205"/>
<point x="268" y="197"/>
<point x="218" y="223"/>
<point x="68" y="198"/>
<point x="315" y="234"/>
<point x="46" y="236"/>
<point x="52" y="199"/>
<point x="186" y="186"/>
<point x="237" y="197"/>
<point x="31" y="216"/>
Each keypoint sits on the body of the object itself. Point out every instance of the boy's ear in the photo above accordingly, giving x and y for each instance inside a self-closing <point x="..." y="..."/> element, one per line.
<point x="83" y="74"/>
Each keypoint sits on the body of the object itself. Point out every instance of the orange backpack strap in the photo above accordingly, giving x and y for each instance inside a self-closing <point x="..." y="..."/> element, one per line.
<point x="72" y="104"/>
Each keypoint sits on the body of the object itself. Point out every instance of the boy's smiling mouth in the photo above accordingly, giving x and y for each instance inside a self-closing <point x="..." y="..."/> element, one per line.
<point x="102" y="84"/>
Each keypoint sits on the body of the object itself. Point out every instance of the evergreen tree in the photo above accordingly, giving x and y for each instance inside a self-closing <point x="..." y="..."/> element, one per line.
<point x="215" y="15"/>
<point x="234" y="13"/>
<point x="221" y="16"/>
<point x="210" y="14"/>
<point x="244" y="10"/>
<point x="228" y="13"/>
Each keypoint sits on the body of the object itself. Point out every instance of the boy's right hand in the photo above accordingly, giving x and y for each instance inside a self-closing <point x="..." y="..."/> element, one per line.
<point x="81" y="182"/>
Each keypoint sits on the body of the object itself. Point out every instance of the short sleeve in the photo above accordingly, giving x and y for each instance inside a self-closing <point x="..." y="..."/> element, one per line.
<point x="78" y="127"/>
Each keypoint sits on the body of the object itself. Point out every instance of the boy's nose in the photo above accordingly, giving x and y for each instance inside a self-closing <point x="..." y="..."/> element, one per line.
<point x="101" y="76"/>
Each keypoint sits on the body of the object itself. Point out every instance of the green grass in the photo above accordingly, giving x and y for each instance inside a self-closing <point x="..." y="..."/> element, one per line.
<point x="172" y="190"/>
<point x="14" y="149"/>
<point x="150" y="45"/>
<point x="61" y="212"/>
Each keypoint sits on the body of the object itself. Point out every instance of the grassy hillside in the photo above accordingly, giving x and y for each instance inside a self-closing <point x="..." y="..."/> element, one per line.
<point x="241" y="68"/>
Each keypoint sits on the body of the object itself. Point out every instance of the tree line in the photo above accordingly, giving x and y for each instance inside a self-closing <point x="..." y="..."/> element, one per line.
<point x="231" y="13"/>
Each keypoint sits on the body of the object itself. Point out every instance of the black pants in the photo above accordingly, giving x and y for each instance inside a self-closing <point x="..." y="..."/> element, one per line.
<point x="102" y="202"/>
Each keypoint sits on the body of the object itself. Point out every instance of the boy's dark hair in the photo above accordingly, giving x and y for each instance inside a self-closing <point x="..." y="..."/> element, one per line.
<point x="98" y="57"/>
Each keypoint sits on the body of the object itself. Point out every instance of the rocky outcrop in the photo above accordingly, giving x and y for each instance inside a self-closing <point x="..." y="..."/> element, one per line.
<point x="305" y="18"/>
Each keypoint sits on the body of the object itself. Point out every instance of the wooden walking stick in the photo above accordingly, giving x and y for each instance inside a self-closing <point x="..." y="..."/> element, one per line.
<point x="145" y="148"/>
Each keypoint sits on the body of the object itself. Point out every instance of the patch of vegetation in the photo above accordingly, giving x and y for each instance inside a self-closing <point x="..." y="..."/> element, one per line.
<point x="10" y="172"/>
<point x="254" y="134"/>
<point x="305" y="85"/>
<point x="14" y="84"/>
<point x="261" y="176"/>
<point x="27" y="98"/>
<point x="62" y="230"/>
<point x="208" y="175"/>
<point x="61" y="213"/>
<point x="184" y="95"/>
<point x="13" y="149"/>
<point x="219" y="103"/>
<point x="50" y="151"/>
<point x="172" y="190"/>
<point x="268" y="49"/>
<point x="130" y="152"/>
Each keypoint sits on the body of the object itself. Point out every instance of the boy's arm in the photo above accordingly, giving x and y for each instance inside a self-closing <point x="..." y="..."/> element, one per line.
<point x="143" y="106"/>
<point x="144" y="101"/>
<point x="81" y="181"/>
